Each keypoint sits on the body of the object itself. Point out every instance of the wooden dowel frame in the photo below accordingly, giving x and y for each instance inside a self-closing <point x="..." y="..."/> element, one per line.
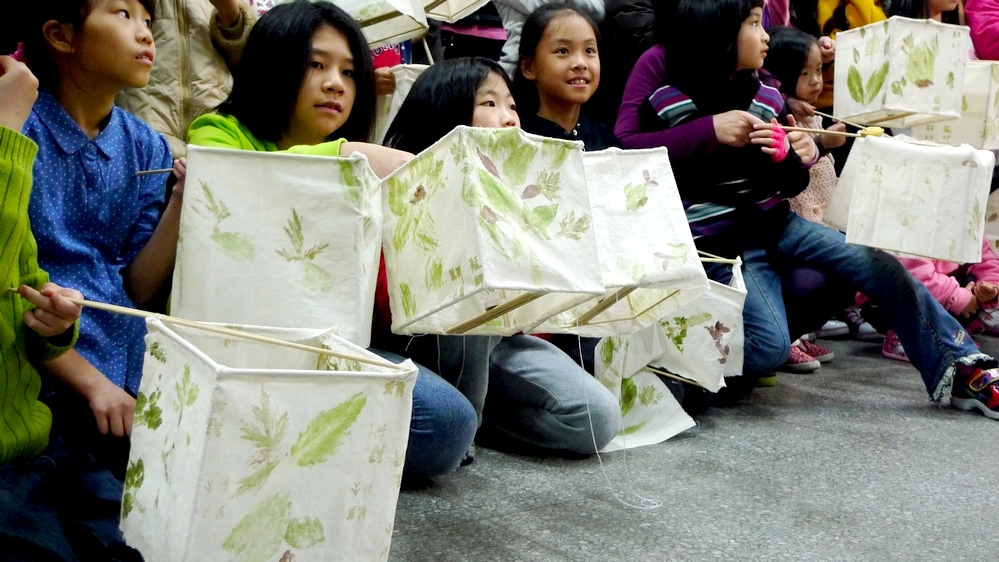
<point x="494" y="313"/>
<point x="602" y="305"/>
<point x="902" y="115"/>
<point x="822" y="132"/>
<point x="672" y="376"/>
<point x="841" y="120"/>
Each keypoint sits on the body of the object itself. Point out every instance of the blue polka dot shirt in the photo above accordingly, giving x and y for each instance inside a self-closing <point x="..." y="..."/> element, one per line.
<point x="91" y="216"/>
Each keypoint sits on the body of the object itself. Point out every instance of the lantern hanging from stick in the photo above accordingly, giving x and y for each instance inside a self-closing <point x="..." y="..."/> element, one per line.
<point x="900" y="72"/>
<point x="979" y="122"/>
<point x="387" y="21"/>
<point x="481" y="226"/>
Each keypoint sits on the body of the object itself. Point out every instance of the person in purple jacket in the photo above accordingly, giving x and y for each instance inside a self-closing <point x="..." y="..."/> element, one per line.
<point x="703" y="96"/>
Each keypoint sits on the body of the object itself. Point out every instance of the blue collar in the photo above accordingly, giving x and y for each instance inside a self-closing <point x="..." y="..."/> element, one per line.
<point x="67" y="134"/>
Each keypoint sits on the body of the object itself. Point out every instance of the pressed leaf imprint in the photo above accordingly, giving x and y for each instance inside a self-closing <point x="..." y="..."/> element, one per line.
<point x="148" y="411"/>
<point x="266" y="435"/>
<point x="135" y="474"/>
<point x="233" y="244"/>
<point x="187" y="393"/>
<point x="314" y="278"/>
<point x="326" y="432"/>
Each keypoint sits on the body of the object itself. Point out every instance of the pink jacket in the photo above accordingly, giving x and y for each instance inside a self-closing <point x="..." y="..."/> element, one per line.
<point x="983" y="19"/>
<point x="935" y="274"/>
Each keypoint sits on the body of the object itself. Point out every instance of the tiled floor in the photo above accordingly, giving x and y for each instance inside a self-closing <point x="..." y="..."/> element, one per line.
<point x="849" y="463"/>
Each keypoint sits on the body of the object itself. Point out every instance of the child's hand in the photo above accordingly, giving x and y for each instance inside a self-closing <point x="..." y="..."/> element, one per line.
<point x="384" y="81"/>
<point x="985" y="291"/>
<point x="18" y="92"/>
<point x="827" y="49"/>
<point x="972" y="304"/>
<point x="180" y="171"/>
<point x="802" y="143"/>
<point x="734" y="128"/>
<point x="53" y="314"/>
<point x="113" y="408"/>
<point x="834" y="141"/>
<point x="763" y="137"/>
<point x="801" y="108"/>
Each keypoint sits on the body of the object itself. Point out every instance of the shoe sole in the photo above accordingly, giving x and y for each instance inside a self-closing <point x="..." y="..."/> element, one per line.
<point x="824" y="358"/>
<point x="833" y="333"/>
<point x="801" y="368"/>
<point x="868" y="337"/>
<point x="766" y="382"/>
<point x="969" y="404"/>
<point x="895" y="356"/>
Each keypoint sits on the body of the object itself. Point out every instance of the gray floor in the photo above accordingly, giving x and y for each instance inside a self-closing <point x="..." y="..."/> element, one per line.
<point x="849" y="463"/>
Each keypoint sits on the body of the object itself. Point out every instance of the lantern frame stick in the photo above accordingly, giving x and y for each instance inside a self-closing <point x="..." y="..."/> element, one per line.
<point x="153" y="172"/>
<point x="902" y="115"/>
<point x="426" y="47"/>
<point x="602" y="305"/>
<point x="822" y="132"/>
<point x="672" y="376"/>
<point x="224" y="331"/>
<point x="705" y="257"/>
<point x="494" y="313"/>
<point x="632" y="317"/>
<point x="844" y="121"/>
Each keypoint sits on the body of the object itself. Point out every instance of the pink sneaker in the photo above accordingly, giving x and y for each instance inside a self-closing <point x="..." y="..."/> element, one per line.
<point x="799" y="361"/>
<point x="989" y="320"/>
<point x="821" y="354"/>
<point x="892" y="348"/>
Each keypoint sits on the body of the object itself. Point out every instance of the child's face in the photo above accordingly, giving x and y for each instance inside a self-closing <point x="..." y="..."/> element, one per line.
<point x="940" y="6"/>
<point x="810" y="80"/>
<point x="752" y="42"/>
<point x="327" y="93"/>
<point x="494" y="106"/>
<point x="114" y="45"/>
<point x="566" y="64"/>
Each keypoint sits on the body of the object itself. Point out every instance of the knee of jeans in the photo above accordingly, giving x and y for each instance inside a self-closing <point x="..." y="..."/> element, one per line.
<point x="765" y="352"/>
<point x="440" y="436"/>
<point x="601" y="424"/>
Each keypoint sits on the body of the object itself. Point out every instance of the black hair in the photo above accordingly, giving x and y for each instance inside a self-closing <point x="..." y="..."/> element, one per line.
<point x="525" y="91"/>
<point x="920" y="9"/>
<point x="441" y="98"/>
<point x="276" y="61"/>
<point x="789" y="50"/>
<point x="24" y="23"/>
<point x="702" y="50"/>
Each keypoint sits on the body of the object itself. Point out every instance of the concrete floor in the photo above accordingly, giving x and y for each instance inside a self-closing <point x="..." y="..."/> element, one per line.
<point x="849" y="463"/>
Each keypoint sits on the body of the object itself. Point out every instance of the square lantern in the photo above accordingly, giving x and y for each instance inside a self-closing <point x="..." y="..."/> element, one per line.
<point x="900" y="72"/>
<point x="304" y="231"/>
<point x="256" y="452"/>
<point x="481" y="226"/>
<point x="451" y="11"/>
<point x="387" y="21"/>
<point x="387" y="106"/>
<point x="979" y="122"/>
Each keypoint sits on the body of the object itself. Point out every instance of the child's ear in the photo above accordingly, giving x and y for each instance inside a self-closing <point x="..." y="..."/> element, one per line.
<point x="527" y="68"/>
<point x="59" y="36"/>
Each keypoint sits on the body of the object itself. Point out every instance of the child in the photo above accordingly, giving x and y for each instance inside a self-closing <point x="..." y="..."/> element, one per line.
<point x="98" y="225"/>
<point x="716" y="128"/>
<point x="312" y="59"/>
<point x="946" y="11"/>
<point x="534" y="398"/>
<point x="33" y="465"/>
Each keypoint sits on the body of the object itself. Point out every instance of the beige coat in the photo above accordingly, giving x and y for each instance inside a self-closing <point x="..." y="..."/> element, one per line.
<point x="191" y="75"/>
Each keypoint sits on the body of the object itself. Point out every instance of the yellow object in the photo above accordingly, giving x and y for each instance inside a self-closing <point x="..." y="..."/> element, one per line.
<point x="872" y="132"/>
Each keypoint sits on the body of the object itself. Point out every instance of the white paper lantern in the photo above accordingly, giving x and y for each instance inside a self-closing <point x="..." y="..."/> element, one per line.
<point x="979" y="122"/>
<point x="914" y="198"/>
<point x="647" y="255"/>
<point x="387" y="106"/>
<point x="451" y="10"/>
<point x="256" y="452"/>
<point x="488" y="219"/>
<point x="900" y="72"/>
<point x="279" y="240"/>
<point x="387" y="21"/>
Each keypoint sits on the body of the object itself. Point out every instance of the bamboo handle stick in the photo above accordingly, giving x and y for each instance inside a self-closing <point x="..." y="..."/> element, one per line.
<point x="821" y="132"/>
<point x="605" y="303"/>
<point x="493" y="313"/>
<point x="834" y="118"/>
<point x="672" y="376"/>
<point x="224" y="331"/>
<point x="153" y="172"/>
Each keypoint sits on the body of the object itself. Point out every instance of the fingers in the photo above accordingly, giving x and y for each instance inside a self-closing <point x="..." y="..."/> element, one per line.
<point x="837" y="126"/>
<point x="128" y="418"/>
<point x="790" y="120"/>
<point x="117" y="425"/>
<point x="6" y="63"/>
<point x="102" y="422"/>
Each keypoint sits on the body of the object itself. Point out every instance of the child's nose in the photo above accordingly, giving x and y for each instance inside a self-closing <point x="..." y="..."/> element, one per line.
<point x="333" y="82"/>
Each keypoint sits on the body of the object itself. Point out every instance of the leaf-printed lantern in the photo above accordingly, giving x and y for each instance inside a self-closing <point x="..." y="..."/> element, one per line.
<point x="297" y="238"/>
<point x="647" y="255"/>
<point x="451" y="10"/>
<point x="255" y="452"/>
<point x="484" y="229"/>
<point x="979" y="122"/>
<point x="916" y="198"/>
<point x="387" y="21"/>
<point x="900" y="72"/>
<point x="387" y="106"/>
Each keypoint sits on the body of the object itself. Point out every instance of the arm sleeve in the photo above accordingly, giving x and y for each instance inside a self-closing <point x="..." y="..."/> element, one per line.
<point x="983" y="19"/>
<point x="152" y="194"/>
<point x="222" y="131"/>
<point x="230" y="41"/>
<point x="944" y="288"/>
<point x="988" y="268"/>
<point x="694" y="138"/>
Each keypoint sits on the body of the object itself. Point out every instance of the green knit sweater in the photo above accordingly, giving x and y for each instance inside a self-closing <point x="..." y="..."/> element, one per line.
<point x="24" y="421"/>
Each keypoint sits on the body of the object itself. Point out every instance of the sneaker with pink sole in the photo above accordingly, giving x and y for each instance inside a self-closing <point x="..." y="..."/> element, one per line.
<point x="892" y="348"/>
<point x="799" y="361"/>
<point x="820" y="353"/>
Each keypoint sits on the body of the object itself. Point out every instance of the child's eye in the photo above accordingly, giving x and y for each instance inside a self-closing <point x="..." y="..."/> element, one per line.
<point x="563" y="51"/>
<point x="124" y="14"/>
<point x="148" y="23"/>
<point x="316" y="64"/>
<point x="488" y="103"/>
<point x="513" y="108"/>
<point x="591" y="51"/>
<point x="349" y="72"/>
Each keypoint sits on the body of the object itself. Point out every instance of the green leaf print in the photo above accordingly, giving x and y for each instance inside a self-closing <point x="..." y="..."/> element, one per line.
<point x="501" y="200"/>
<point x="313" y="277"/>
<point x="633" y="429"/>
<point x="634" y="195"/>
<point x="265" y="438"/>
<point x="408" y="301"/>
<point x="520" y="159"/>
<point x="875" y="83"/>
<point x="135" y="474"/>
<point x="950" y="80"/>
<point x="157" y="352"/>
<point x="607" y="349"/>
<point x="539" y="218"/>
<point x="855" y="84"/>
<point x="233" y="244"/>
<point x="920" y="61"/>
<point x="304" y="532"/>
<point x="325" y="433"/>
<point x="187" y="393"/>
<point x="397" y="192"/>
<point x="549" y="184"/>
<point x="572" y="227"/>
<point x="256" y="480"/>
<point x="435" y="274"/>
<point x="258" y="535"/>
<point x="147" y="410"/>
<point x="628" y="394"/>
<point x="352" y="186"/>
<point x="650" y="396"/>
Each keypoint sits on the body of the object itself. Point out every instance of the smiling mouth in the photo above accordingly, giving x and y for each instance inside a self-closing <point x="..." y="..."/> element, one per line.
<point x="579" y="81"/>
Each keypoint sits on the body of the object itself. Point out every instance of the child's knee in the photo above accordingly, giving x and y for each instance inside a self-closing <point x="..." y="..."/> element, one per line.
<point x="765" y="352"/>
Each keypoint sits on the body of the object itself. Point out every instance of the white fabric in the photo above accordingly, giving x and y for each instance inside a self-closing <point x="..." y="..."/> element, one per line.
<point x="451" y="11"/>
<point x="245" y="451"/>
<point x="387" y="21"/>
<point x="643" y="240"/>
<point x="992" y="222"/>
<point x="479" y="218"/>
<point x="915" y="198"/>
<point x="387" y="106"/>
<point x="279" y="240"/>
<point x="979" y="122"/>
<point x="901" y="66"/>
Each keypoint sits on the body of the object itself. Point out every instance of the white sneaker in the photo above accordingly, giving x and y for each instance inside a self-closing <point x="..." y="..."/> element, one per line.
<point x="832" y="329"/>
<point x="862" y="330"/>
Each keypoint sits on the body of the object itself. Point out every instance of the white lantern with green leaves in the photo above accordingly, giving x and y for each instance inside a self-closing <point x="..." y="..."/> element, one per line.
<point x="979" y="122"/>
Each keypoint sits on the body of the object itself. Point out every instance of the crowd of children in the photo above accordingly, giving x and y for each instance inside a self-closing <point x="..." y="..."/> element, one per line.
<point x="718" y="80"/>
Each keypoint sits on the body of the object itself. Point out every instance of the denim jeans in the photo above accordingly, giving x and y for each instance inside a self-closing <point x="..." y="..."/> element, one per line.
<point x="62" y="505"/>
<point x="442" y="427"/>
<point x="539" y="400"/>
<point x="933" y="339"/>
